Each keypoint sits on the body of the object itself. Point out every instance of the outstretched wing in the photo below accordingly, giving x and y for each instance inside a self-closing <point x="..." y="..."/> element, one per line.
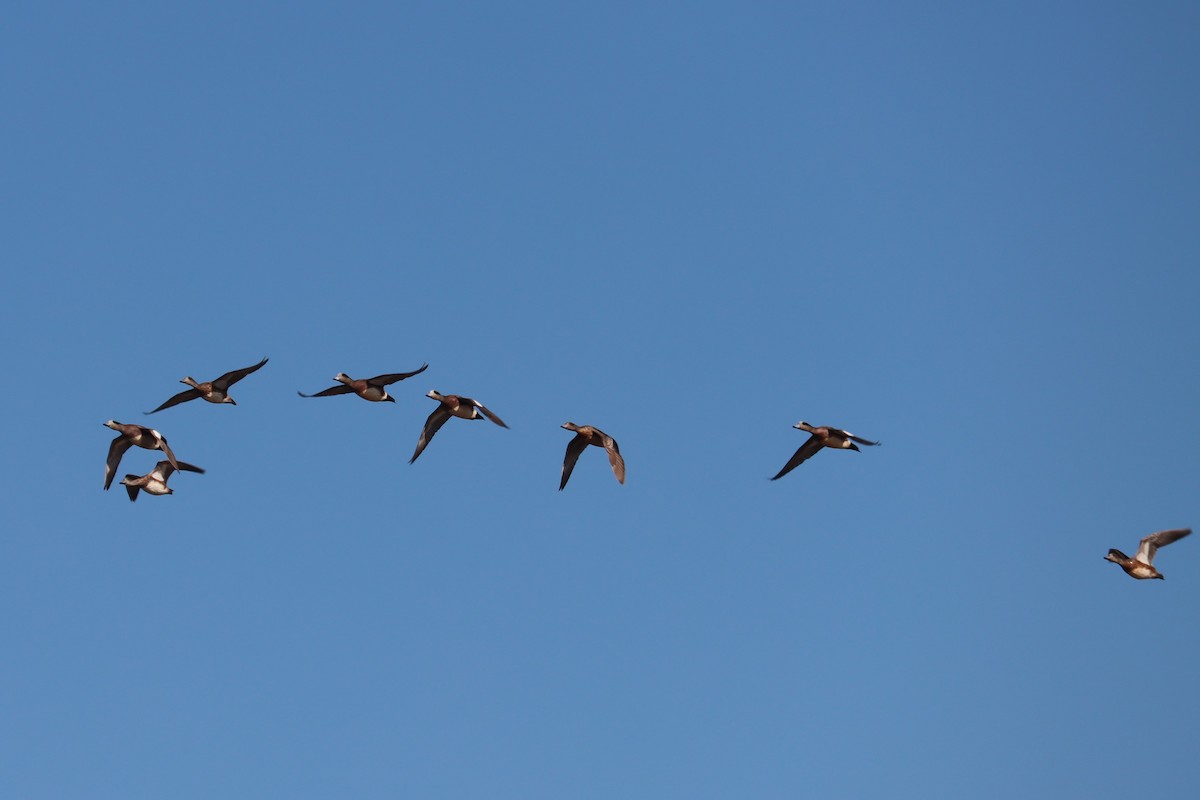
<point x="230" y="378"/>
<point x="614" y="458"/>
<point x="861" y="440"/>
<point x="341" y="388"/>
<point x="1149" y="546"/>
<point x="182" y="397"/>
<point x="800" y="456"/>
<point x="166" y="448"/>
<point x="385" y="380"/>
<point x="164" y="469"/>
<point x="574" y="447"/>
<point x="487" y="413"/>
<point x="436" y="420"/>
<point x="115" y="451"/>
<point x="132" y="490"/>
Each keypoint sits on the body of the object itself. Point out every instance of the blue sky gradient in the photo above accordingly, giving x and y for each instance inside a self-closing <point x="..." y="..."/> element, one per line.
<point x="967" y="232"/>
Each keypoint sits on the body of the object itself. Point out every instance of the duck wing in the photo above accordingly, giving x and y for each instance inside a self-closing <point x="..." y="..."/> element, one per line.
<point x="800" y="456"/>
<point x="182" y="397"/>
<point x="1149" y="546"/>
<point x="341" y="388"/>
<point x="166" y="448"/>
<point x="232" y="377"/>
<point x="164" y="469"/>
<point x="614" y="456"/>
<point x="486" y="412"/>
<point x="115" y="451"/>
<point x="386" y="380"/>
<point x="861" y="440"/>
<point x="432" y="425"/>
<point x="574" y="447"/>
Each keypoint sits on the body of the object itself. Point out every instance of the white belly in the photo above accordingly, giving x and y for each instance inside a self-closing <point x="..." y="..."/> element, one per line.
<point x="1139" y="570"/>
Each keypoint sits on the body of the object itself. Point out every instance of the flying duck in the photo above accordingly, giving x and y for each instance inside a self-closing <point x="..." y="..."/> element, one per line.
<point x="451" y="405"/>
<point x="216" y="391"/>
<point x="1141" y="565"/>
<point x="585" y="435"/>
<point x="155" y="481"/>
<point x="823" y="436"/>
<point x="366" y="388"/>
<point x="131" y="435"/>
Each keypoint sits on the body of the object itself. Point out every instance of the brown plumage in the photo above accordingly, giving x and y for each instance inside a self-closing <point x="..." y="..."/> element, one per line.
<point x="585" y="435"/>
<point x="823" y="436"/>
<point x="451" y="405"/>
<point x="1141" y="566"/>
<point x="214" y="391"/>
<point x="131" y="436"/>
<point x="154" y="481"/>
<point x="367" y="388"/>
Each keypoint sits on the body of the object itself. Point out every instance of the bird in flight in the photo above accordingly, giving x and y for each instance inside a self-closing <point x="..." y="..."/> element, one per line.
<point x="214" y="391"/>
<point x="155" y="481"/>
<point x="367" y="388"/>
<point x="130" y="436"/>
<point x="1141" y="566"/>
<point x="451" y="405"/>
<point x="823" y="436"/>
<point x="585" y="435"/>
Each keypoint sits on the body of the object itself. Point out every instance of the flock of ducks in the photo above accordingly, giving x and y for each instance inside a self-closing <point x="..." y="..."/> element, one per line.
<point x="1140" y="566"/>
<point x="371" y="389"/>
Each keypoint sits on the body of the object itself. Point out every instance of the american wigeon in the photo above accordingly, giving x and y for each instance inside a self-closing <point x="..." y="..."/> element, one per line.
<point x="451" y="405"/>
<point x="366" y="388"/>
<point x="155" y="481"/>
<point x="585" y="435"/>
<point x="824" y="436"/>
<point x="131" y="435"/>
<point x="1141" y="566"/>
<point x="216" y="391"/>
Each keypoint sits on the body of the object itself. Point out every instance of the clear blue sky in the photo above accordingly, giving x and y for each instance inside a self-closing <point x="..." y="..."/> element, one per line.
<point x="968" y="232"/>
